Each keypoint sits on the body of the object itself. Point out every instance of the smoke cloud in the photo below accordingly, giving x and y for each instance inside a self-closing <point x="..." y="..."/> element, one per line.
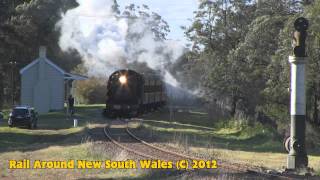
<point x="107" y="41"/>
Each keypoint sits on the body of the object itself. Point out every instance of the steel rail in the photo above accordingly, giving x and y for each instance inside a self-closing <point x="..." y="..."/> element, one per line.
<point x="237" y="167"/>
<point x="107" y="134"/>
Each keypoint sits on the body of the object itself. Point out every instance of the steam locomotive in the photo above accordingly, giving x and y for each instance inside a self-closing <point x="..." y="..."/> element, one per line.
<point x="130" y="93"/>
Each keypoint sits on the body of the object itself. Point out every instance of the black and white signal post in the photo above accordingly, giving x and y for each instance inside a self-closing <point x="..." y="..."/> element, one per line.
<point x="297" y="157"/>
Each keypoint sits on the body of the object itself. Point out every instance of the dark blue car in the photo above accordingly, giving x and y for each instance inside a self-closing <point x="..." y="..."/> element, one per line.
<point x="23" y="116"/>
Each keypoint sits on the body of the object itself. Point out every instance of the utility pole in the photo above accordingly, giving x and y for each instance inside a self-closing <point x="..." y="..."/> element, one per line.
<point x="13" y="64"/>
<point x="297" y="157"/>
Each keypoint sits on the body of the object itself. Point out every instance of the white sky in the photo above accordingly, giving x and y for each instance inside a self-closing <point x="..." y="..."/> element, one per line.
<point x="175" y="12"/>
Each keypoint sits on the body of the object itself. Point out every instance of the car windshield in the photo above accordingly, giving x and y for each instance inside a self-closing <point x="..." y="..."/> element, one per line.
<point x="19" y="112"/>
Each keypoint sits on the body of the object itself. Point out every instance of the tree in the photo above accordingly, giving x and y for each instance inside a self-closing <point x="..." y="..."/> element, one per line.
<point x="218" y="28"/>
<point x="244" y="48"/>
<point x="278" y="72"/>
<point x="146" y="42"/>
<point x="313" y="66"/>
<point x="151" y="21"/>
<point x="251" y="59"/>
<point x="91" y="90"/>
<point x="34" y="24"/>
<point x="26" y="24"/>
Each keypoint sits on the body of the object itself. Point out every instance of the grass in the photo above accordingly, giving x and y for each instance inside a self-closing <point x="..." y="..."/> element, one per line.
<point x="57" y="139"/>
<point x="56" y="153"/>
<point x="183" y="116"/>
<point x="233" y="135"/>
<point x="21" y="139"/>
<point x="53" y="128"/>
<point x="235" y="141"/>
<point x="261" y="159"/>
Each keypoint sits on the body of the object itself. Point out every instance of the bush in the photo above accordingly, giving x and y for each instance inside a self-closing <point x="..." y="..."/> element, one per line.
<point x="91" y="91"/>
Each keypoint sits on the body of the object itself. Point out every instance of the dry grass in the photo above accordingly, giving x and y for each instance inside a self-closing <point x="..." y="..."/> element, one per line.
<point x="268" y="160"/>
<point x="57" y="140"/>
<point x="86" y="150"/>
<point x="248" y="152"/>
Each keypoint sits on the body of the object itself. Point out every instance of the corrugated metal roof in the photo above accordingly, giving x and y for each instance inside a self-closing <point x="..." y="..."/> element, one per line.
<point x="65" y="74"/>
<point x="74" y="76"/>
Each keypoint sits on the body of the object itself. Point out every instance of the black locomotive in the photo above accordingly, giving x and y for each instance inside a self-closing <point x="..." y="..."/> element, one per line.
<point x="130" y="93"/>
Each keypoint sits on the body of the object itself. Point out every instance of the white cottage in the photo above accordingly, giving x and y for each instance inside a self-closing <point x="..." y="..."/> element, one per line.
<point x="44" y="85"/>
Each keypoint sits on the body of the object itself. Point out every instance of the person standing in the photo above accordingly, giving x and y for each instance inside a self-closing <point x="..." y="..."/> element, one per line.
<point x="1" y="116"/>
<point x="71" y="104"/>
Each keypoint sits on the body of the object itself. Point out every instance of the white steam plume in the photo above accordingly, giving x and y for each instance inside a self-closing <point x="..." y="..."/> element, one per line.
<point x="101" y="38"/>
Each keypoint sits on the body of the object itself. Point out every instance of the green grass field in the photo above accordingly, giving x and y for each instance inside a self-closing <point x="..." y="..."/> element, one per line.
<point x="53" y="128"/>
<point x="54" y="139"/>
<point x="234" y="140"/>
<point x="57" y="139"/>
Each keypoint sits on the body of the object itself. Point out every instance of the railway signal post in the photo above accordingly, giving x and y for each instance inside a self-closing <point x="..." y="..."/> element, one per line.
<point x="297" y="157"/>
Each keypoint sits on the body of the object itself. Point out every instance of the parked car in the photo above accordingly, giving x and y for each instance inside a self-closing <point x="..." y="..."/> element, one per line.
<point x="23" y="116"/>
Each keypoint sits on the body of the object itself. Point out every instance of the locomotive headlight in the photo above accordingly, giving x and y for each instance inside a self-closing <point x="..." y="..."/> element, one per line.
<point x="123" y="79"/>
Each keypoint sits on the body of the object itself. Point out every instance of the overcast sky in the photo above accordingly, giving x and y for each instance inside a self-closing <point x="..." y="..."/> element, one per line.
<point x="175" y="12"/>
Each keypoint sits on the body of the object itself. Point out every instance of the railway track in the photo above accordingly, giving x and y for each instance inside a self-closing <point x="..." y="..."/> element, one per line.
<point x="131" y="143"/>
<point x="109" y="136"/>
<point x="143" y="149"/>
<point x="234" y="165"/>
